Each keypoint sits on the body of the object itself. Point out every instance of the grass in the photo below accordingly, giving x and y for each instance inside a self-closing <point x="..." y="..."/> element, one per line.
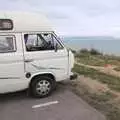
<point x="98" y="101"/>
<point x="113" y="82"/>
<point x="97" y="60"/>
<point x="104" y="101"/>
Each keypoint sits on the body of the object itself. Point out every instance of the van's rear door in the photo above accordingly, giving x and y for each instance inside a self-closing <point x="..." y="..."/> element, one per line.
<point x="11" y="63"/>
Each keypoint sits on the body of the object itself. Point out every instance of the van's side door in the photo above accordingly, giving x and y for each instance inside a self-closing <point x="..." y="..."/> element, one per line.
<point x="44" y="53"/>
<point x="11" y="63"/>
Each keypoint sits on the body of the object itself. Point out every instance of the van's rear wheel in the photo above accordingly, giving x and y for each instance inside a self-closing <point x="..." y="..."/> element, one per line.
<point x="42" y="86"/>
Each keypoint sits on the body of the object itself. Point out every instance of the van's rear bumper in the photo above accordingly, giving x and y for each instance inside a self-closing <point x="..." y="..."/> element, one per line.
<point x="73" y="76"/>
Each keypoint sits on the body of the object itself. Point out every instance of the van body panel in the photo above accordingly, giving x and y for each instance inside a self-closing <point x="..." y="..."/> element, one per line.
<point x="12" y="66"/>
<point x="40" y="63"/>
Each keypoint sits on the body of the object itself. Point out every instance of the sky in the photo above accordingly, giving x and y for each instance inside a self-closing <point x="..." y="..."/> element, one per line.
<point x="74" y="17"/>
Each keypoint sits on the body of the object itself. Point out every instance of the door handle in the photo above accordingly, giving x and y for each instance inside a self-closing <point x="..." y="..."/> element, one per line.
<point x="28" y="60"/>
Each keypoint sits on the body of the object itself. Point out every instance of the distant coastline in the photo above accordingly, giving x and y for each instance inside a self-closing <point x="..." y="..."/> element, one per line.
<point x="105" y="44"/>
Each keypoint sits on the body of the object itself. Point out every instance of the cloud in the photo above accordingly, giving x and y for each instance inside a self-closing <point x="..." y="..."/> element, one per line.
<point x="74" y="17"/>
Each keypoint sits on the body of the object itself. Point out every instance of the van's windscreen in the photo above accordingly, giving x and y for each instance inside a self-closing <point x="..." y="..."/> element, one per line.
<point x="6" y="24"/>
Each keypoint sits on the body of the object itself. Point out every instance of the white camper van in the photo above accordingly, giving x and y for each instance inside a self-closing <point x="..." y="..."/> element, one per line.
<point x="31" y="54"/>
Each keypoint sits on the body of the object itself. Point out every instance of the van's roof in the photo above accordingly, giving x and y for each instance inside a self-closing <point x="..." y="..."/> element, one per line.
<point x="26" y="22"/>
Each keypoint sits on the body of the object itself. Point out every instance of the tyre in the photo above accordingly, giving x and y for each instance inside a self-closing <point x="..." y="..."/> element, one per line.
<point x="42" y="86"/>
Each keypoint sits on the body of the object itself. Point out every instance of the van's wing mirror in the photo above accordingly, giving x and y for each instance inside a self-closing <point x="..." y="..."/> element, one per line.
<point x="56" y="47"/>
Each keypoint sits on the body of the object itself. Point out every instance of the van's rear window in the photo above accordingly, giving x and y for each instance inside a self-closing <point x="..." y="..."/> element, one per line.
<point x="6" y="24"/>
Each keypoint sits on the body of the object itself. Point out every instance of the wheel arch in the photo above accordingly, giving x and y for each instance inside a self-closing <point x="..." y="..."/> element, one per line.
<point x="50" y="75"/>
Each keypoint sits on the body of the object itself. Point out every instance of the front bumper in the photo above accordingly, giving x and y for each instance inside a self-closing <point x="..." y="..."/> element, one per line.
<point x="73" y="76"/>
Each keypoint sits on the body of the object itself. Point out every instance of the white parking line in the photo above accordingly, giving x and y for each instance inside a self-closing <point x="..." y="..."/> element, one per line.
<point x="45" y="104"/>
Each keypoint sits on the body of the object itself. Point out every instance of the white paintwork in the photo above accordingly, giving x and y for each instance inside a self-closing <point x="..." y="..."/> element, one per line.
<point x="25" y="21"/>
<point x="48" y="59"/>
<point x="45" y="104"/>
<point x="13" y="67"/>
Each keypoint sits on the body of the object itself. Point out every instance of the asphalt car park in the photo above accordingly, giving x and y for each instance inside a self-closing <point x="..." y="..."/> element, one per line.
<point x="61" y="105"/>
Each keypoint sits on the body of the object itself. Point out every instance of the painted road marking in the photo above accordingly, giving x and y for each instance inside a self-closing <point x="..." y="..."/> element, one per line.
<point x="45" y="104"/>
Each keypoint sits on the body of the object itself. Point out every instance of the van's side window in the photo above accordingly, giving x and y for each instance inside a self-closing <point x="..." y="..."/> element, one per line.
<point x="7" y="44"/>
<point x="39" y="42"/>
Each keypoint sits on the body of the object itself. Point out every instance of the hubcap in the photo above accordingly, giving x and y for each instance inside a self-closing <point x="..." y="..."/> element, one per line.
<point x="43" y="87"/>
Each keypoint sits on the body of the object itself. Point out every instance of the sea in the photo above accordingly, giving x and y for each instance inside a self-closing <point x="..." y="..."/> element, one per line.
<point x="105" y="44"/>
